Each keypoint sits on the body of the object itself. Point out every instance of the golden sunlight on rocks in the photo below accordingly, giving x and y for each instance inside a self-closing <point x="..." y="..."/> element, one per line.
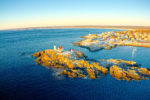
<point x="74" y="64"/>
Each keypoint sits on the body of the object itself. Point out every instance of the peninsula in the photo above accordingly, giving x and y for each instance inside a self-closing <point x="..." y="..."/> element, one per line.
<point x="108" y="40"/>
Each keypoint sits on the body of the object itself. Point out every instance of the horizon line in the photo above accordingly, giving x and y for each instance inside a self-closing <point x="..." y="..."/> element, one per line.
<point x="82" y="26"/>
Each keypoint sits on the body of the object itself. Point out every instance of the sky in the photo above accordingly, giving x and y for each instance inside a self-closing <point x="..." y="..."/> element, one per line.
<point x="38" y="13"/>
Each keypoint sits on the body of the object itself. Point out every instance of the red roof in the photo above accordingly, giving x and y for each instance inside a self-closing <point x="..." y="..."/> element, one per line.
<point x="60" y="48"/>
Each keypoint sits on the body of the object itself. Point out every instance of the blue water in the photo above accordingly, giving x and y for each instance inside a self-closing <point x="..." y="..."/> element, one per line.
<point x="22" y="79"/>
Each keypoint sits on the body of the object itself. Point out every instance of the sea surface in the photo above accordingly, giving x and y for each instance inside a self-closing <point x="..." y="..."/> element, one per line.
<point x="22" y="79"/>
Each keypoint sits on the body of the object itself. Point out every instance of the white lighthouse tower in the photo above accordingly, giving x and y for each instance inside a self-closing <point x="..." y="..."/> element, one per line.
<point x="54" y="46"/>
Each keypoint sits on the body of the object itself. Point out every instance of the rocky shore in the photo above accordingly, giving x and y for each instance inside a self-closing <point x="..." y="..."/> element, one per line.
<point x="74" y="64"/>
<point x="108" y="40"/>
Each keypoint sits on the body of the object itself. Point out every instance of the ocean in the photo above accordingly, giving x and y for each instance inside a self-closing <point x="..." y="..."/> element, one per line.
<point x="22" y="79"/>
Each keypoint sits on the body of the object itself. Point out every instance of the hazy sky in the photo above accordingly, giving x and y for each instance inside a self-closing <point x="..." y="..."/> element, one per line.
<point x="30" y="13"/>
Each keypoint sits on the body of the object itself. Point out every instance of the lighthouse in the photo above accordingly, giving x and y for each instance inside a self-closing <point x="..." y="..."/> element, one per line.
<point x="54" y="46"/>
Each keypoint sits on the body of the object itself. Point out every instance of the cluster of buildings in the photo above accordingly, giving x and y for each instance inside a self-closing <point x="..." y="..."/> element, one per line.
<point x="108" y="40"/>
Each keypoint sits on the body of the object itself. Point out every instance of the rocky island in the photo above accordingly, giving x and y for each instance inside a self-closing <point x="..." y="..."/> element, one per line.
<point x="75" y="64"/>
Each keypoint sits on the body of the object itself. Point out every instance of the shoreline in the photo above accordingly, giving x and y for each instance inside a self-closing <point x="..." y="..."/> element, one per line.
<point x="83" y="26"/>
<point x="109" y="40"/>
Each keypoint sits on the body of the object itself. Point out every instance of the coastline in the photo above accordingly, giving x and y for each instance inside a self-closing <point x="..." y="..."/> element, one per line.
<point x="83" y="26"/>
